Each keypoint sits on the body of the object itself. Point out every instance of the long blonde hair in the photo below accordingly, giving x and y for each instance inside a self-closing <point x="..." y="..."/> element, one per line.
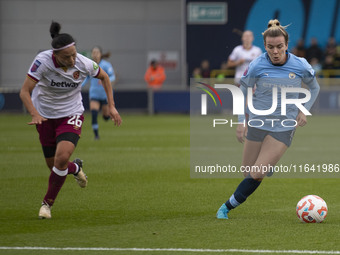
<point x="275" y="29"/>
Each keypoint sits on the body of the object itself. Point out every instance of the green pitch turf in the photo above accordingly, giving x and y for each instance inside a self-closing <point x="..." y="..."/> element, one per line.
<point x="140" y="194"/>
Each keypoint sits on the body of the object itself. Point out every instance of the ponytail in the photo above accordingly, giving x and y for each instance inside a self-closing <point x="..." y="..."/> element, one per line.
<point x="60" y="41"/>
<point x="54" y="29"/>
<point x="275" y="29"/>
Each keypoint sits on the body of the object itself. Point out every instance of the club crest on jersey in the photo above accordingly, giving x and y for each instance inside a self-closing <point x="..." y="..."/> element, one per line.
<point x="76" y="75"/>
<point x="95" y="66"/>
<point x="35" y="66"/>
<point x="292" y="75"/>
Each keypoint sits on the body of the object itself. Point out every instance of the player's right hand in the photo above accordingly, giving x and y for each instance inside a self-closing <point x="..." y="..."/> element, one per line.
<point x="36" y="119"/>
<point x="301" y="119"/>
<point x="241" y="132"/>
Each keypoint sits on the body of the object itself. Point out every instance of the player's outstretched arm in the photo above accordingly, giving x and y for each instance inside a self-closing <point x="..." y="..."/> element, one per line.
<point x="109" y="93"/>
<point x="233" y="64"/>
<point x="25" y="95"/>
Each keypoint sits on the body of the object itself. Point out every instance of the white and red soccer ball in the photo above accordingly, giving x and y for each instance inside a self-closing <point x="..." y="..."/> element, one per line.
<point x="311" y="209"/>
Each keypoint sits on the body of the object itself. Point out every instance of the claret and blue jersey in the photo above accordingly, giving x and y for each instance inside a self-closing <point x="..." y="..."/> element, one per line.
<point x="264" y="77"/>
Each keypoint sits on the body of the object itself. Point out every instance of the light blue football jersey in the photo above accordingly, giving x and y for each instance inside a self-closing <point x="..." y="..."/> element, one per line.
<point x="96" y="88"/>
<point x="263" y="76"/>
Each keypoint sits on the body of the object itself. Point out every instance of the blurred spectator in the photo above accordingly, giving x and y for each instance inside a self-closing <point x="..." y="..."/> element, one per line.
<point x="243" y="54"/>
<point x="299" y="50"/>
<point x="205" y="69"/>
<point x="330" y="47"/>
<point x="155" y="75"/>
<point x="224" y="66"/>
<point x="196" y="73"/>
<point x="329" y="62"/>
<point x="314" y="51"/>
<point x="337" y="58"/>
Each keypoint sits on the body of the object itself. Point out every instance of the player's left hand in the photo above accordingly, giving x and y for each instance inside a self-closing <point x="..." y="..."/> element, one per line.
<point x="114" y="114"/>
<point x="301" y="119"/>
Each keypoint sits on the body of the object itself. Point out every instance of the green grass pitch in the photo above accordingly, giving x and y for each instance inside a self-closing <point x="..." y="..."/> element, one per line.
<point x="140" y="194"/>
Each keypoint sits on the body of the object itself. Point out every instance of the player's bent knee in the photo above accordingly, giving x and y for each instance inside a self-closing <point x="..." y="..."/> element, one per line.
<point x="61" y="161"/>
<point x="66" y="143"/>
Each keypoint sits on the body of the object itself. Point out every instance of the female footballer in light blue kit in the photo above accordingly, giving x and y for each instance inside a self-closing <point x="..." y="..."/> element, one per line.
<point x="98" y="97"/>
<point x="266" y="143"/>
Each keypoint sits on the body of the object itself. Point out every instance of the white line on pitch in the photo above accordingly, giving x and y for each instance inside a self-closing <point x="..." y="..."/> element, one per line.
<point x="169" y="249"/>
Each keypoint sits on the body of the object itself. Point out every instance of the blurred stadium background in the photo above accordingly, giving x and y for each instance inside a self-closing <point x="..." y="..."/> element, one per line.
<point x="179" y="33"/>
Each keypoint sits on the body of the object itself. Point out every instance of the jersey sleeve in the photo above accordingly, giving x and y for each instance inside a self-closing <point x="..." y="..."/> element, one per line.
<point x="309" y="73"/>
<point x="91" y="67"/>
<point x="248" y="77"/>
<point x="36" y="70"/>
<point x="234" y="54"/>
<point x="314" y="88"/>
<point x="94" y="69"/>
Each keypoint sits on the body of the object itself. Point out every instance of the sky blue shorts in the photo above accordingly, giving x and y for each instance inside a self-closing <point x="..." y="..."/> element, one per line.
<point x="258" y="135"/>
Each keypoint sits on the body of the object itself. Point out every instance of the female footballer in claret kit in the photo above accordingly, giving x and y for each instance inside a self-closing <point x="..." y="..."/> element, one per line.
<point x="265" y="145"/>
<point x="56" y="107"/>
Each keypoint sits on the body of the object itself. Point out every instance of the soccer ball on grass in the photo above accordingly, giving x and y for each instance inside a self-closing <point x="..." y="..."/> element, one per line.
<point x="311" y="209"/>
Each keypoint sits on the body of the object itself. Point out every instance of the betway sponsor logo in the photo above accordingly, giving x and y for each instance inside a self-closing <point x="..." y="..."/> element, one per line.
<point x="64" y="84"/>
